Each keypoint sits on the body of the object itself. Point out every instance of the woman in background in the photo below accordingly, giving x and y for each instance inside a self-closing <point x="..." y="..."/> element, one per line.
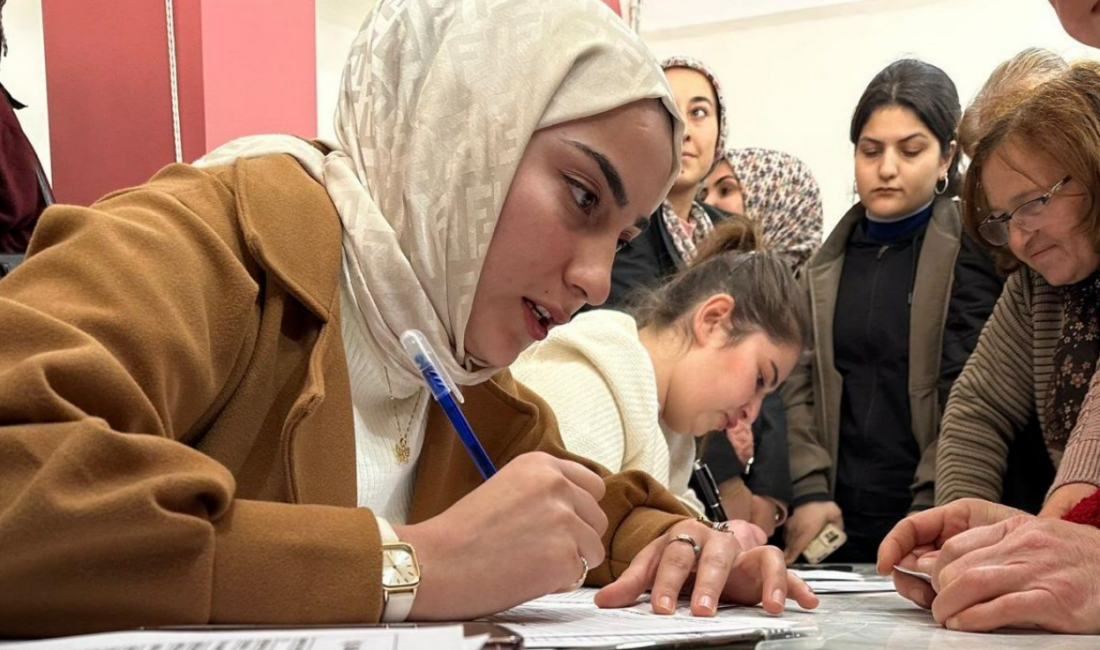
<point x="779" y="193"/>
<point x="681" y="224"/>
<point x="899" y="296"/>
<point x="697" y="354"/>
<point x="1031" y="197"/>
<point x="775" y="190"/>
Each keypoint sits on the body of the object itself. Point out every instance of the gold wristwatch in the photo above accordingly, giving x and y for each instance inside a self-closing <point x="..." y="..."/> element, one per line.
<point x="400" y="575"/>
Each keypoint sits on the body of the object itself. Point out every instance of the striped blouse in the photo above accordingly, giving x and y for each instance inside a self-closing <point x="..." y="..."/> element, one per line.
<point x="1004" y="383"/>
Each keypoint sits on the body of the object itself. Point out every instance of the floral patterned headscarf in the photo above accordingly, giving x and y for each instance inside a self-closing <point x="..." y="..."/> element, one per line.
<point x="783" y="198"/>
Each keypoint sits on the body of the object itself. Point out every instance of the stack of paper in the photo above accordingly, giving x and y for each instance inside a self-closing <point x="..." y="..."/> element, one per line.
<point x="573" y="621"/>
<point x="844" y="582"/>
<point x="426" y="638"/>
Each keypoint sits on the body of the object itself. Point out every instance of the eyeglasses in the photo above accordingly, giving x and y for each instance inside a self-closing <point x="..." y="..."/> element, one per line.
<point x="994" y="229"/>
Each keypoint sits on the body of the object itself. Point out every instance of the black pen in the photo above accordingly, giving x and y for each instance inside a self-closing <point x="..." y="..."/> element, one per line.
<point x="709" y="492"/>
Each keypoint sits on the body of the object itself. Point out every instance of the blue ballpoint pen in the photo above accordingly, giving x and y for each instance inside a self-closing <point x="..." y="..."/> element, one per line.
<point x="445" y="391"/>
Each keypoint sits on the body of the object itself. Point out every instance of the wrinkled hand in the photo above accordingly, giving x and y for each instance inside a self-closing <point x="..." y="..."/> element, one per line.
<point x="915" y="541"/>
<point x="535" y="519"/>
<point x="1020" y="572"/>
<point x="723" y="572"/>
<point x="806" y="522"/>
<point x="740" y="437"/>
<point x="1064" y="498"/>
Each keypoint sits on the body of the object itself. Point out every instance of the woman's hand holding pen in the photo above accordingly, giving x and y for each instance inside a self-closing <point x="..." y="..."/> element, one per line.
<point x="518" y="536"/>
<point x="722" y="572"/>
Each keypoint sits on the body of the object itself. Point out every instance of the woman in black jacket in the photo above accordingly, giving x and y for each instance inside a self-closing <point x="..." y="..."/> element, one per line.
<point x="899" y="295"/>
<point x="681" y="222"/>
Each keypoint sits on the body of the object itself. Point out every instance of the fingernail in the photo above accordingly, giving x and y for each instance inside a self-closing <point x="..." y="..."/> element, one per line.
<point x="777" y="596"/>
<point x="666" y="603"/>
<point x="917" y="596"/>
<point x="952" y="623"/>
<point x="706" y="602"/>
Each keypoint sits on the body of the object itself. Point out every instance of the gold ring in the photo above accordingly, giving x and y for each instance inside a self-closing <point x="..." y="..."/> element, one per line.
<point x="584" y="576"/>
<point x="688" y="539"/>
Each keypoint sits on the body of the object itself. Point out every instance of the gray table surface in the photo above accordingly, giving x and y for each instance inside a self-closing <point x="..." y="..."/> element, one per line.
<point x="886" y="620"/>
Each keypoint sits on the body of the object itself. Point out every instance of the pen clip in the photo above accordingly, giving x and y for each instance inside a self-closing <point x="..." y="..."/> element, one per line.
<point x="420" y="351"/>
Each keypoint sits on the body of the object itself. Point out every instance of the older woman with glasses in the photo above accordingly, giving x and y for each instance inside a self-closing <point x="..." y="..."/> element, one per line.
<point x="992" y="566"/>
<point x="1031" y="196"/>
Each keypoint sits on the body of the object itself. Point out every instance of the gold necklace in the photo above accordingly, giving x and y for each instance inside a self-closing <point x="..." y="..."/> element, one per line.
<point x="401" y="448"/>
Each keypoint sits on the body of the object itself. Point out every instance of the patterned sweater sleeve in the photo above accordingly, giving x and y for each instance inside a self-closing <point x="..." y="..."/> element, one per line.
<point x="1081" y="461"/>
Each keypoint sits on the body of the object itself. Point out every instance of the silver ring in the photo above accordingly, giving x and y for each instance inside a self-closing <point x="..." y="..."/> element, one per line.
<point x="584" y="576"/>
<point x="688" y="539"/>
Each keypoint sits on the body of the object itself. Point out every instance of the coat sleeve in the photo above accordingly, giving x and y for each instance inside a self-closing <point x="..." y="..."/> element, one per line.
<point x="771" y="470"/>
<point x="974" y="292"/>
<point x="122" y="331"/>
<point x="989" y="403"/>
<point x="810" y="460"/>
<point x="639" y="509"/>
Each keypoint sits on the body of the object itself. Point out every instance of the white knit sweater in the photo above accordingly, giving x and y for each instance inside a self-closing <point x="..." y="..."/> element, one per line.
<point x="385" y="485"/>
<point x="599" y="380"/>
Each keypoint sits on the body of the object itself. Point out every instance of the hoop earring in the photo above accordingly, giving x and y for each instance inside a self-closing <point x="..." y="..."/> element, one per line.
<point x="946" y="183"/>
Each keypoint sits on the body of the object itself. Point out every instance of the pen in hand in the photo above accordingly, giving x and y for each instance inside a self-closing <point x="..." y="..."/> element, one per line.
<point x="708" y="489"/>
<point x="445" y="391"/>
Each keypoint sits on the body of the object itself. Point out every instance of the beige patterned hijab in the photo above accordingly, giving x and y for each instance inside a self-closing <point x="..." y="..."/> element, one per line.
<point x="439" y="100"/>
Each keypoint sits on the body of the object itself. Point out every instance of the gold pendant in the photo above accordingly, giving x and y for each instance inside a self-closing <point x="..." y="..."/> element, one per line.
<point x="402" y="451"/>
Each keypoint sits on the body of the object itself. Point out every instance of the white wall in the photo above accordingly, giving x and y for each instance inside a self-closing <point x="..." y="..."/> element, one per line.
<point x="23" y="72"/>
<point x="338" y="22"/>
<point x="792" y="79"/>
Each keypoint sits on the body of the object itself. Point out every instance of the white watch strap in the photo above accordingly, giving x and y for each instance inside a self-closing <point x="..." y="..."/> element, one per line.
<point x="396" y="605"/>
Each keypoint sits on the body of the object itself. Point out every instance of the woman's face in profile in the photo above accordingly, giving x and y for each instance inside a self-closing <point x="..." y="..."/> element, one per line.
<point x="582" y="189"/>
<point x="722" y="189"/>
<point x="698" y="104"/>
<point x="1053" y="243"/>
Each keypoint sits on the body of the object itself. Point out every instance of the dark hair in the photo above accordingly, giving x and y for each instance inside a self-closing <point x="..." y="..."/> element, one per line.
<point x="767" y="298"/>
<point x="924" y="89"/>
<point x="1060" y="119"/>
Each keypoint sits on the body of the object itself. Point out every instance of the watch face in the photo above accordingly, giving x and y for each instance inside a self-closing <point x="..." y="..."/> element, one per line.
<point x="399" y="567"/>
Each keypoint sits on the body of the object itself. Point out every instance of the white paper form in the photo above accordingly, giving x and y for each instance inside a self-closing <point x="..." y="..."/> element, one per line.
<point x="848" y="587"/>
<point x="573" y="621"/>
<point x="843" y="582"/>
<point x="425" y="638"/>
<point x="818" y="574"/>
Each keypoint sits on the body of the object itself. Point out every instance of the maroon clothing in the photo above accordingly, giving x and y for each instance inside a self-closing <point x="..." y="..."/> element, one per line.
<point x="22" y="183"/>
<point x="1087" y="511"/>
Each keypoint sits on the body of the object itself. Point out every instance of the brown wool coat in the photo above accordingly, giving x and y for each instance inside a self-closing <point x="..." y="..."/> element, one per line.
<point x="176" y="440"/>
